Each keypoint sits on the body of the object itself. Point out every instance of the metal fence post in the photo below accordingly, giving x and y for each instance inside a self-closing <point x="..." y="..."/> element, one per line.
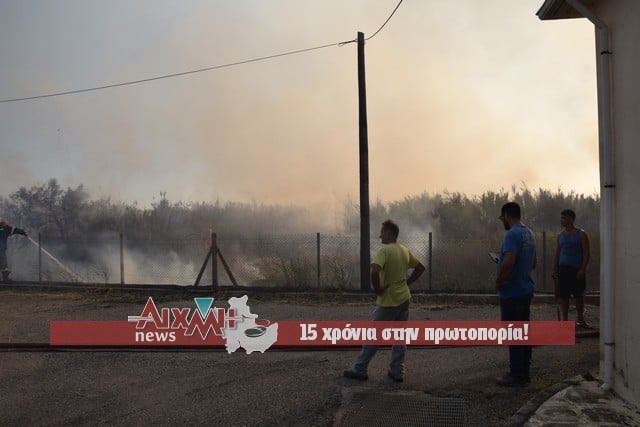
<point x="544" y="260"/>
<point x="430" y="260"/>
<point x="39" y="258"/>
<point x="121" y="258"/>
<point x="318" y="257"/>
<point x="214" y="261"/>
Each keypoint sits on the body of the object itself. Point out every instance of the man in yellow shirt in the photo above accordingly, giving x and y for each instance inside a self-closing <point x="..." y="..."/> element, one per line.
<point x="391" y="285"/>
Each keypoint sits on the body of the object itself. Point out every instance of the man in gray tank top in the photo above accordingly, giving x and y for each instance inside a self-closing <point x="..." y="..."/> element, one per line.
<point x="570" y="265"/>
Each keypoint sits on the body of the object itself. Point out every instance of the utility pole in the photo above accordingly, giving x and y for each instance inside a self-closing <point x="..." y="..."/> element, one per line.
<point x="365" y="244"/>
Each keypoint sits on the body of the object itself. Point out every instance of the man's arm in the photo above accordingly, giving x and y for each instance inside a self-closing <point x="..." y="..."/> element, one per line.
<point x="417" y="272"/>
<point x="586" y="254"/>
<point x="375" y="279"/>
<point x="556" y="260"/>
<point x="508" y="261"/>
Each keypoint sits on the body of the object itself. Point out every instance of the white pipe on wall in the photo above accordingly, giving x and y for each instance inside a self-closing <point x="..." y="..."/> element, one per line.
<point x="607" y="180"/>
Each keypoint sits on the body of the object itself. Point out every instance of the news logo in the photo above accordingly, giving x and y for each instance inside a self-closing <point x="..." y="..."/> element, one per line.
<point x="205" y="325"/>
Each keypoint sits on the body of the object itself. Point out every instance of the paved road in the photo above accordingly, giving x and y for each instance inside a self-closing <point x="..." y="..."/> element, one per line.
<point x="294" y="388"/>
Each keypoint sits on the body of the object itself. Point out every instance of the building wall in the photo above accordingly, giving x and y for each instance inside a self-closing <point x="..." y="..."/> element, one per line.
<point x="623" y="19"/>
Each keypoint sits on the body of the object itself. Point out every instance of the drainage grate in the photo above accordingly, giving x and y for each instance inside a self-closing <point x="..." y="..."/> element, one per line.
<point x="402" y="410"/>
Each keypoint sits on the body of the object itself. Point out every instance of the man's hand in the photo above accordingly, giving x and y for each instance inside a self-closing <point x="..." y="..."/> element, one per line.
<point x="415" y="275"/>
<point x="508" y="261"/>
<point x="500" y="285"/>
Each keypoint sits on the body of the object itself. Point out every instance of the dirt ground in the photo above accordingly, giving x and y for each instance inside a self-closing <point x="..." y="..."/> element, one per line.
<point x="40" y="386"/>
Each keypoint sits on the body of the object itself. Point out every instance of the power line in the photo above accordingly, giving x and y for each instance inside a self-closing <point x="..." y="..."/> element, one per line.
<point x="385" y="22"/>
<point x="201" y="70"/>
<point x="167" y="76"/>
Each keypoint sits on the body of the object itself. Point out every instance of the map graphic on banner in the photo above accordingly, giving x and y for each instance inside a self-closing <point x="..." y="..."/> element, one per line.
<point x="247" y="334"/>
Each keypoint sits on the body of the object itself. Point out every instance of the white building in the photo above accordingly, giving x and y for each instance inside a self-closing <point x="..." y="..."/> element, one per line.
<point x="617" y="58"/>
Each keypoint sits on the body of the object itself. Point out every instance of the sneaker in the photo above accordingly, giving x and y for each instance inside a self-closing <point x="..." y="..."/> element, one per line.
<point x="395" y="378"/>
<point x="511" y="381"/>
<point x="356" y="375"/>
<point x="582" y="324"/>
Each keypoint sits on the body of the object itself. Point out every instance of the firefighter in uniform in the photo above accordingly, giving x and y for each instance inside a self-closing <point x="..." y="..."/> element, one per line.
<point x="6" y="230"/>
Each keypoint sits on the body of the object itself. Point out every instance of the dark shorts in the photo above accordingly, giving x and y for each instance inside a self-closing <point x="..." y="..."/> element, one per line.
<point x="569" y="284"/>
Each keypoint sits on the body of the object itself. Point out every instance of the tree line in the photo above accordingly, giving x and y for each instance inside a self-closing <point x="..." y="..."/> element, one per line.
<point x="71" y="213"/>
<point x="458" y="216"/>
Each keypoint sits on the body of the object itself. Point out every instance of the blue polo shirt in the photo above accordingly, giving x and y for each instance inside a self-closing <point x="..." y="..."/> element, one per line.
<point x="520" y="241"/>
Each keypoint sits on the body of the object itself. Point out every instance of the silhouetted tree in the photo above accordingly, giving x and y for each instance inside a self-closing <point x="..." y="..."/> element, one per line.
<point x="50" y="208"/>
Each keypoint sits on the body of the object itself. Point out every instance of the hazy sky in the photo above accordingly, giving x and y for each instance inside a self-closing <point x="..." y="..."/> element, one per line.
<point x="462" y="95"/>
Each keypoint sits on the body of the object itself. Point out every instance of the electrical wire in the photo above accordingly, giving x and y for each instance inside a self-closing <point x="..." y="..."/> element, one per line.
<point x="201" y="70"/>
<point x="167" y="76"/>
<point x="385" y="22"/>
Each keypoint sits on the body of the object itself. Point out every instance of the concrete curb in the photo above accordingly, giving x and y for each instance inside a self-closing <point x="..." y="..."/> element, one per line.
<point x="529" y="409"/>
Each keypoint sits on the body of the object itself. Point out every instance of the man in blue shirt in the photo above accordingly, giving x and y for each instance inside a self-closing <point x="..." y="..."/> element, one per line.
<point x="515" y="286"/>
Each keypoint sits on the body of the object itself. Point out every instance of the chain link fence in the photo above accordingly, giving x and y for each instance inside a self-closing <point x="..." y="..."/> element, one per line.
<point x="307" y="261"/>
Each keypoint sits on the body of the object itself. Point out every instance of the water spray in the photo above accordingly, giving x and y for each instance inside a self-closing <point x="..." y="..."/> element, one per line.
<point x="54" y="259"/>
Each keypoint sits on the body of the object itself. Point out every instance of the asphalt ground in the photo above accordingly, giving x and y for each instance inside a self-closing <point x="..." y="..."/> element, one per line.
<point x="39" y="386"/>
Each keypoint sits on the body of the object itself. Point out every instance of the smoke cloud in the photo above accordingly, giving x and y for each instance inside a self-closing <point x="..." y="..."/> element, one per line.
<point x="465" y="96"/>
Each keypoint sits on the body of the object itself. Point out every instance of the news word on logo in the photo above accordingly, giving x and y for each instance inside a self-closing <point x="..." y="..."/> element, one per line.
<point x="206" y="325"/>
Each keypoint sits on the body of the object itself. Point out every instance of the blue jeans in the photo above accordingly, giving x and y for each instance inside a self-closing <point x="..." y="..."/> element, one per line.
<point x="397" y="313"/>
<point x="518" y="308"/>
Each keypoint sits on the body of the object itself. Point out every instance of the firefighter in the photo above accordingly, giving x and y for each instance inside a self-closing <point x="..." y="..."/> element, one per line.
<point x="6" y="230"/>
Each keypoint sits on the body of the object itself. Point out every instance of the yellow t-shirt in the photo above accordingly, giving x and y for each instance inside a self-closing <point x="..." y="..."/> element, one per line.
<point x="394" y="260"/>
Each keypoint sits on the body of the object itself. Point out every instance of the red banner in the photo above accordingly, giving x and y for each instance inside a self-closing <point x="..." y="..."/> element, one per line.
<point x="308" y="333"/>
